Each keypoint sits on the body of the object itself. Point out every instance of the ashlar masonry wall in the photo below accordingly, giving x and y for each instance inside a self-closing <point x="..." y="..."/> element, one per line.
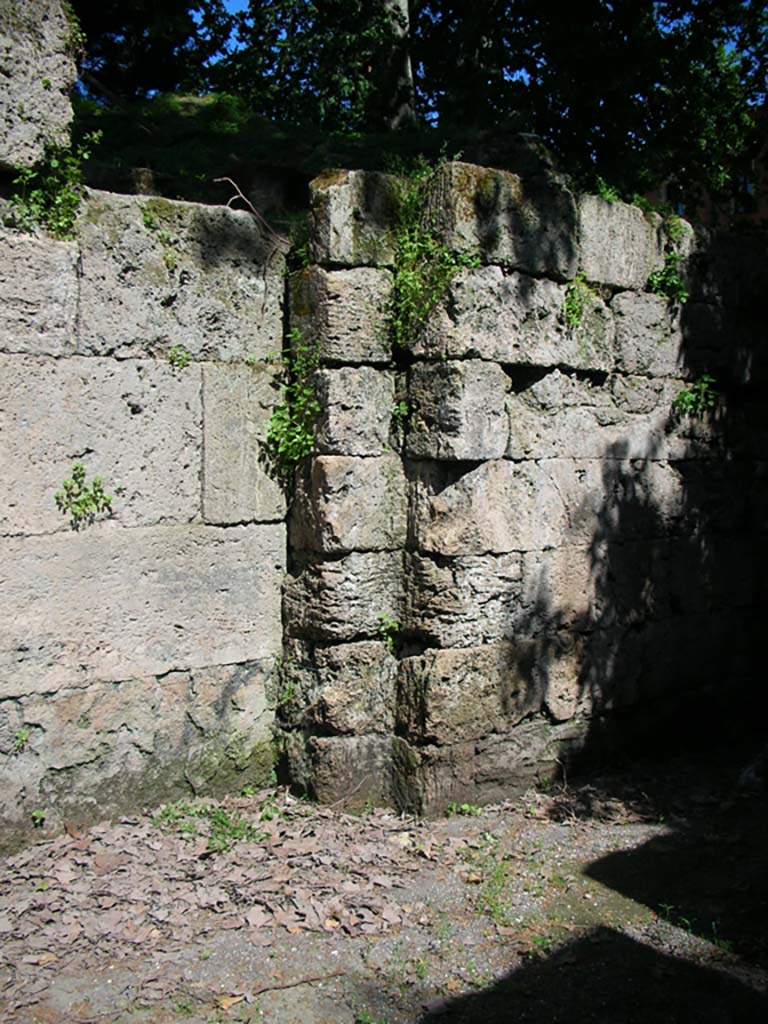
<point x="542" y="551"/>
<point x="137" y="654"/>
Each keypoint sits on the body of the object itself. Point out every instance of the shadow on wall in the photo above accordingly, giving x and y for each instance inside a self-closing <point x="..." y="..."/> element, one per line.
<point x="679" y="555"/>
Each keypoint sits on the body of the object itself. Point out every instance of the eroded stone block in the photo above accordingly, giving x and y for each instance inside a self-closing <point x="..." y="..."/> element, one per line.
<point x="619" y="244"/>
<point x="448" y="696"/>
<point x="463" y="601"/>
<point x="457" y="410"/>
<point x="177" y="274"/>
<point x="356" y="407"/>
<point x="516" y="319"/>
<point x="37" y="68"/>
<point x="526" y="223"/>
<point x="352" y="215"/>
<point x="350" y="504"/>
<point x="136" y="424"/>
<point x="347" y="688"/>
<point x="38" y="294"/>
<point x="346" y="598"/>
<point x="238" y="402"/>
<point x="349" y="770"/>
<point x="344" y="312"/>
<point x="648" y="336"/>
<point x="107" y="604"/>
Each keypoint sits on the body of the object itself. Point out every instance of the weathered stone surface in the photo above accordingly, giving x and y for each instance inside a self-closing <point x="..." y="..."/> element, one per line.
<point x="349" y="770"/>
<point x="457" y="410"/>
<point x="346" y="504"/>
<point x="133" y="743"/>
<point x="346" y="598"/>
<point x="648" y="337"/>
<point x="619" y="244"/>
<point x="136" y="424"/>
<point x="562" y="415"/>
<point x="109" y="604"/>
<point x="347" y="688"/>
<point x="356" y="405"/>
<point x="464" y="601"/>
<point x="428" y="779"/>
<point x="447" y="695"/>
<point x="344" y="312"/>
<point x="352" y="214"/>
<point x="38" y="294"/>
<point x="513" y="318"/>
<point x="177" y="274"/>
<point x="501" y="506"/>
<point x="38" y="71"/>
<point x="238" y="402"/>
<point x="526" y="223"/>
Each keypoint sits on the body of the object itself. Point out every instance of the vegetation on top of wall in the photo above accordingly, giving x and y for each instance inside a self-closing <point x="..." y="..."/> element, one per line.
<point x="48" y="195"/>
<point x="424" y="265"/>
<point x="669" y="281"/>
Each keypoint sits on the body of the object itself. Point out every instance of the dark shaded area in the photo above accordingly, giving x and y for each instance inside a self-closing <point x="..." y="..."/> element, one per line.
<point x="608" y="977"/>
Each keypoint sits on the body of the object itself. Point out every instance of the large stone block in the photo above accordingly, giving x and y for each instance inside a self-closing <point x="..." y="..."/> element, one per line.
<point x="525" y="223"/>
<point x="38" y="294"/>
<point x="457" y="410"/>
<point x="356" y="407"/>
<point x="619" y="244"/>
<point x="350" y="504"/>
<point x="352" y="216"/>
<point x="347" y="598"/>
<point x="136" y="424"/>
<point x="344" y="312"/>
<point x="648" y="336"/>
<point x="427" y="779"/>
<point x="563" y="415"/>
<point x="513" y="318"/>
<point x="203" y="277"/>
<point x="451" y="696"/>
<point x="37" y="68"/>
<point x="464" y="601"/>
<point x="344" y="689"/>
<point x="109" y="604"/>
<point x="238" y="402"/>
<point x="351" y="770"/>
<point x="132" y="744"/>
<point x="504" y="506"/>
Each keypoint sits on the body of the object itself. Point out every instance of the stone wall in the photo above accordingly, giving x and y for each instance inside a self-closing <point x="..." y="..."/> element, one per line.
<point x="543" y="552"/>
<point x="505" y="549"/>
<point x="37" y="69"/>
<point x="137" y="654"/>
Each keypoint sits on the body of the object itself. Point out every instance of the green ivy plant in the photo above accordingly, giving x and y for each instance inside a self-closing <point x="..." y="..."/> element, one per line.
<point x="577" y="297"/>
<point x="424" y="265"/>
<point x="48" y="195"/>
<point x="606" y="191"/>
<point x="388" y="629"/>
<point x="291" y="430"/>
<point x="179" y="357"/>
<point x="697" y="398"/>
<point x="82" y="501"/>
<point x="669" y="280"/>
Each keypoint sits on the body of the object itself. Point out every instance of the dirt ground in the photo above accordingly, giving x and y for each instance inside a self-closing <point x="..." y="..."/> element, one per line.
<point x="633" y="898"/>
